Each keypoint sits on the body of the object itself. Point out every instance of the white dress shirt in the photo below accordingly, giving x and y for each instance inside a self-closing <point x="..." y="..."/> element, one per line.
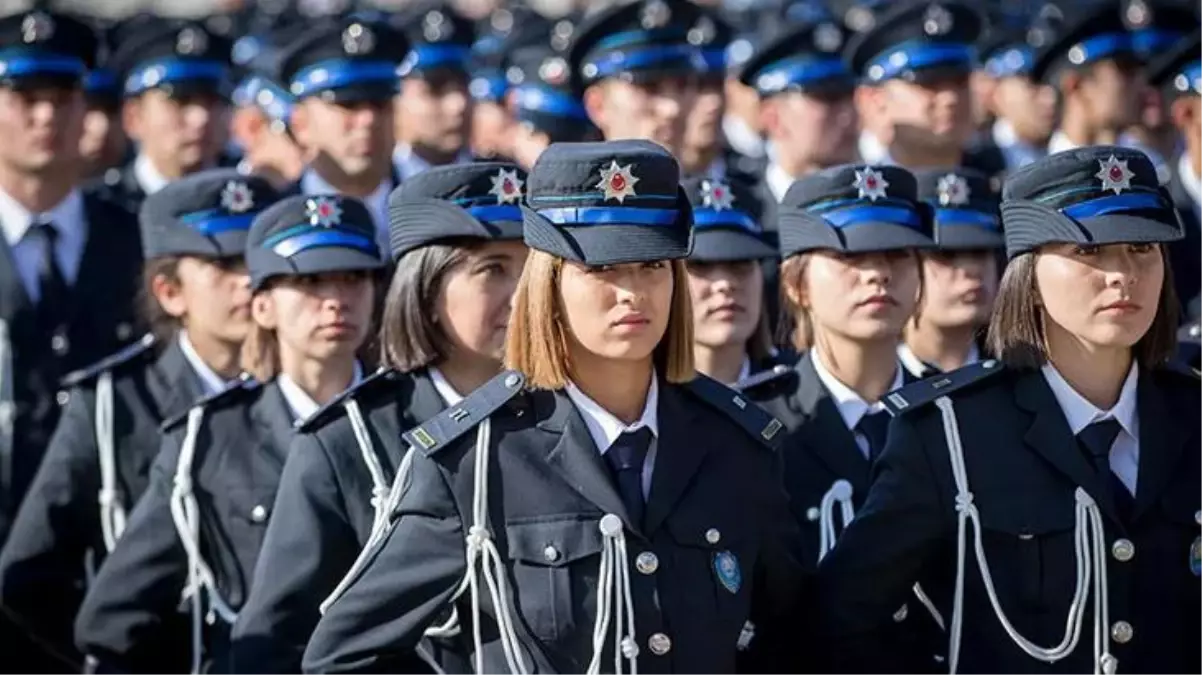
<point x="149" y="178"/>
<point x="1080" y="413"/>
<point x="917" y="366"/>
<point x="1018" y="153"/>
<point x="409" y="164"/>
<point x="852" y="408"/>
<point x="376" y="202"/>
<point x="778" y="181"/>
<point x="605" y="428"/>
<point x="1059" y="142"/>
<point x="872" y="150"/>
<point x="443" y="387"/>
<point x="210" y="381"/>
<point x="69" y="222"/>
<point x="301" y="404"/>
<point x="742" y="138"/>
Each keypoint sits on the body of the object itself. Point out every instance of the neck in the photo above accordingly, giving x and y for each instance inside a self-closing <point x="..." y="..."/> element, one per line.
<point x="432" y="156"/>
<point x="1097" y="373"/>
<point x="723" y="363"/>
<point x="468" y="373"/>
<point x="1076" y="126"/>
<point x="946" y="347"/>
<point x="697" y="161"/>
<point x="796" y="167"/>
<point x="867" y="368"/>
<point x="221" y="356"/>
<point x="360" y="186"/>
<point x="618" y="386"/>
<point x="911" y="158"/>
<point x="35" y="192"/>
<point x="322" y="380"/>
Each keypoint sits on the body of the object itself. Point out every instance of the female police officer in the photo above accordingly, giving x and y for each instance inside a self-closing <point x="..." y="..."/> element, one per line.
<point x="199" y="526"/>
<point x="456" y="234"/>
<point x="1062" y="479"/>
<point x="656" y="561"/>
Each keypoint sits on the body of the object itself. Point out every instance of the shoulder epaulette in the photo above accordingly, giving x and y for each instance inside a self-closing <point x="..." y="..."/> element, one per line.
<point x="1183" y="370"/>
<point x="763" y="377"/>
<point x="753" y="419"/>
<point x="918" y="394"/>
<point x="379" y="381"/>
<point x="439" y="431"/>
<point x="141" y="348"/>
<point x="245" y="384"/>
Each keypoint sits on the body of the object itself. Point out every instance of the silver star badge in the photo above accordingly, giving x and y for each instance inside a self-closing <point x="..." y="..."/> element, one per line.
<point x="617" y="182"/>
<point x="871" y="184"/>
<point x="358" y="40"/>
<point x="1114" y="174"/>
<point x="655" y="15"/>
<point x="953" y="190"/>
<point x="828" y="37"/>
<point x="36" y="27"/>
<point x="191" y="42"/>
<point x="938" y="20"/>
<point x="237" y="197"/>
<point x="323" y="211"/>
<point x="716" y="196"/>
<point x="554" y="71"/>
<point x="507" y="187"/>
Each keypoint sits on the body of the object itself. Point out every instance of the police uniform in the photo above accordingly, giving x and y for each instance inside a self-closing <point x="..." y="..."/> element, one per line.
<point x="97" y="461"/>
<point x="198" y="527"/>
<point x="1060" y="510"/>
<point x="335" y="483"/>
<point x="680" y="583"/>
<point x="1007" y="52"/>
<point x="67" y="275"/>
<point x="179" y="58"/>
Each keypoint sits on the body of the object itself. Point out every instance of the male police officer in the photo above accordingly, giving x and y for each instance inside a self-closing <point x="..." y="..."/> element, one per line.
<point x="263" y="109"/>
<point x="1024" y="110"/>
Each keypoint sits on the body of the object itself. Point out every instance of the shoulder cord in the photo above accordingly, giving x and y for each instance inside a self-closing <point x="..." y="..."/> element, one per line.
<point x="614" y="599"/>
<point x="112" y="511"/>
<point x="185" y="512"/>
<point x="1090" y="544"/>
<point x="7" y="405"/>
<point x="379" y="490"/>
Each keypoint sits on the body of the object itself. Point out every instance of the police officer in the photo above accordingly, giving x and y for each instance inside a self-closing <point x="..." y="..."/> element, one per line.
<point x="103" y="145"/>
<point x="689" y="546"/>
<point x="959" y="277"/>
<point x="491" y="134"/>
<point x="97" y="463"/>
<point x="263" y="110"/>
<point x="701" y="153"/>
<point x="176" y="85"/>
<point x="448" y="224"/>
<point x="1024" y="109"/>
<point x="199" y="525"/>
<point x="916" y="62"/>
<point x="69" y="257"/>
<point x="1070" y="461"/>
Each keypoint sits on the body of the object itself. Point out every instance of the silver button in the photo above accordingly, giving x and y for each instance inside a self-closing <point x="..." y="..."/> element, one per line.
<point x="901" y="614"/>
<point x="1122" y="632"/>
<point x="259" y="513"/>
<point x="59" y="343"/>
<point x="62" y="397"/>
<point x="647" y="562"/>
<point x="659" y="644"/>
<point x="511" y="381"/>
<point x="1123" y="550"/>
<point x="813" y="513"/>
<point x="713" y="536"/>
<point x="550" y="554"/>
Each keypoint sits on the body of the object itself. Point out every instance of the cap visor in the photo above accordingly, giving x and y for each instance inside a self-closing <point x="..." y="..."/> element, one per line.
<point x="729" y="245"/>
<point x="355" y="93"/>
<point x="965" y="237"/>
<point x="610" y="244"/>
<point x="416" y="216"/>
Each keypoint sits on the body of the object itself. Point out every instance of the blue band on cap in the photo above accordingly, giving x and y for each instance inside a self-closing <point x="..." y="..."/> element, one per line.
<point x="335" y="73"/>
<point x="714" y="59"/>
<point x="1011" y="61"/>
<point x="324" y="237"/>
<point x="800" y="71"/>
<point x="216" y="221"/>
<point x="100" y="81"/>
<point x="536" y="98"/>
<point x="873" y="215"/>
<point x="171" y="71"/>
<point x="966" y="217"/>
<point x="429" y="56"/>
<point x="490" y="87"/>
<point x="706" y="218"/>
<point x="640" y="37"/>
<point x="500" y="212"/>
<point x="271" y="98"/>
<point x="28" y="62"/>
<point x="1148" y="41"/>
<point x="1103" y="46"/>
<point x="1193" y="77"/>
<point x="1102" y="206"/>
<point x="610" y="215"/>
<point x="647" y="57"/>
<point x="914" y="55"/>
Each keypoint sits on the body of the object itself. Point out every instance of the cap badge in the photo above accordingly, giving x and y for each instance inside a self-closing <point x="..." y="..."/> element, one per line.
<point x="703" y="32"/>
<point x="1114" y="174"/>
<point x="436" y="27"/>
<point x="655" y="15"/>
<point x="953" y="190"/>
<point x="828" y="37"/>
<point x="618" y="182"/>
<point x="716" y="196"/>
<point x="237" y="197"/>
<point x="191" y="42"/>
<point x="553" y="71"/>
<point x="323" y="211"/>
<point x="37" y="27"/>
<point x="561" y="35"/>
<point x="507" y="187"/>
<point x="358" y="40"/>
<point x="1137" y="14"/>
<point x="938" y="21"/>
<point x="871" y="184"/>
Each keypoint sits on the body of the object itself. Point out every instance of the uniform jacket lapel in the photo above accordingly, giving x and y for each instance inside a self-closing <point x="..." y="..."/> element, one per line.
<point x="175" y="386"/>
<point x="13" y="296"/>
<point x="825" y="433"/>
<point x="274" y="419"/>
<point x="1162" y="439"/>
<point x="678" y="459"/>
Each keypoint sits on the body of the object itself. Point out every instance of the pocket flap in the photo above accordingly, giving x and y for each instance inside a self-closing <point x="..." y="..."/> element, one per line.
<point x="555" y="542"/>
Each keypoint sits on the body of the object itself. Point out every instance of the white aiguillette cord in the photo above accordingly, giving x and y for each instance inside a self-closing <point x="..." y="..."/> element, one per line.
<point x="112" y="511"/>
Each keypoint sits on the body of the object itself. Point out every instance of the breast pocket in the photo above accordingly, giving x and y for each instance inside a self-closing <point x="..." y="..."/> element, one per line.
<point x="555" y="563"/>
<point x="713" y="564"/>
<point x="1030" y="553"/>
<point x="243" y="513"/>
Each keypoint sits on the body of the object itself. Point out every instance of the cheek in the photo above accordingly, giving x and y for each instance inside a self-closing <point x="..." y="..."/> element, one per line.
<point x="1066" y="290"/>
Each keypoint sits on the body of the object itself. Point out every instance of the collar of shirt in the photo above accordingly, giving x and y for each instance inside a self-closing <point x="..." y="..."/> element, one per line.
<point x="851" y="406"/>
<point x="917" y="366"/>
<point x="1189" y="182"/>
<point x="301" y="404"/>
<point x="742" y="138"/>
<point x="443" y="387"/>
<point x="210" y="381"/>
<point x="603" y="426"/>
<point x="1080" y="413"/>
<point x="70" y="222"/>
<point x="1059" y="142"/>
<point x="778" y="181"/>
<point x="717" y="170"/>
<point x="1018" y="152"/>
<point x="148" y="176"/>
<point x="409" y="164"/>
<point x="376" y="202"/>
<point x="872" y="150"/>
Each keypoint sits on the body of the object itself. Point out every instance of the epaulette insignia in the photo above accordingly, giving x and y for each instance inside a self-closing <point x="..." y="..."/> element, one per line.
<point x="918" y="394"/>
<point x="439" y="431"/>
<point x="383" y="378"/>
<point x="763" y="377"/>
<point x="233" y="392"/>
<point x="753" y="419"/>
<point x="128" y="354"/>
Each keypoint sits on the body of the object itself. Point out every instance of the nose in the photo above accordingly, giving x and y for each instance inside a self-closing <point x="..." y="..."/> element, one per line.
<point x="877" y="268"/>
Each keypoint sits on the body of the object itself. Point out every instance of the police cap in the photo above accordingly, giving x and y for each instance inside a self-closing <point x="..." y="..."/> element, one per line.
<point x="544" y="91"/>
<point x="177" y="57"/>
<point x="639" y="41"/>
<point x="805" y="57"/>
<point x="1179" y="71"/>
<point x="40" y="47"/>
<point x="726" y="221"/>
<point x="1088" y="35"/>
<point x="207" y="214"/>
<point x="343" y="61"/>
<point x="440" y="38"/>
<point x="1158" y="26"/>
<point x="917" y="41"/>
<point x="966" y="207"/>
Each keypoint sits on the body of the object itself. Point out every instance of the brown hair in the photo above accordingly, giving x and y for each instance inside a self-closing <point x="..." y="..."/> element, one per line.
<point x="410" y="338"/>
<point x="261" y="353"/>
<point x="536" y="343"/>
<point x="163" y="325"/>
<point x="1016" y="331"/>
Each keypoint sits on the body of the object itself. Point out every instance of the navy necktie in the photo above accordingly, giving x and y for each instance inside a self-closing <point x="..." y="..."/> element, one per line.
<point x="875" y="427"/>
<point x="52" y="285"/>
<point x="1095" y="441"/>
<point x="625" y="458"/>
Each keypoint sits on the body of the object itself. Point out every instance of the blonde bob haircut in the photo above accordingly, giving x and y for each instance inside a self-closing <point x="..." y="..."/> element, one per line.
<point x="536" y="343"/>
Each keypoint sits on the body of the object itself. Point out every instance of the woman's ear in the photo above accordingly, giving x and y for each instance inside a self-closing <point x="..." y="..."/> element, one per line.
<point x="262" y="310"/>
<point x="169" y="294"/>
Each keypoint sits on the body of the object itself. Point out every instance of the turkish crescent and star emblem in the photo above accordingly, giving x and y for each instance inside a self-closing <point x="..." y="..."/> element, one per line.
<point x="871" y="184"/>
<point x="617" y="182"/>
<point x="237" y="197"/>
<point x="507" y="187"/>
<point x="1114" y="174"/>
<point x="716" y="196"/>
<point x="323" y="211"/>
<point x="953" y="190"/>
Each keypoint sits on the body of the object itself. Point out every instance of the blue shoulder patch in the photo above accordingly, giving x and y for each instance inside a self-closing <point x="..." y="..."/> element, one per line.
<point x="129" y="354"/>
<point x="753" y="419"/>
<point x="764" y="377"/>
<point x="439" y="431"/>
<point x="378" y="382"/>
<point x="245" y="384"/>
<point x="918" y="394"/>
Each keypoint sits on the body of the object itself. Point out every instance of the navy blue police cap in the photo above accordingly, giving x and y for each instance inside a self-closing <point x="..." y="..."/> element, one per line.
<point x="917" y="41"/>
<point x="1087" y="36"/>
<point x="440" y="39"/>
<point x="801" y="57"/>
<point x="966" y="208"/>
<point x="639" y="41"/>
<point x="544" y="93"/>
<point x="1157" y="26"/>
<point x="180" y="58"/>
<point x="344" y="61"/>
<point x="101" y="85"/>
<point x="711" y="34"/>
<point x="1008" y="48"/>
<point x="40" y="47"/>
<point x="479" y="201"/>
<point x="726" y="221"/>
<point x="1178" y="72"/>
<point x="1093" y="195"/>
<point x="260" y="56"/>
<point x="311" y="234"/>
<point x="489" y="52"/>
<point x="607" y="203"/>
<point x="854" y="208"/>
<point x="206" y="214"/>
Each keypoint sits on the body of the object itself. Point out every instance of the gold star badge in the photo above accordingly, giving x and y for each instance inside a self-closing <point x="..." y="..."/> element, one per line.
<point x="617" y="182"/>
